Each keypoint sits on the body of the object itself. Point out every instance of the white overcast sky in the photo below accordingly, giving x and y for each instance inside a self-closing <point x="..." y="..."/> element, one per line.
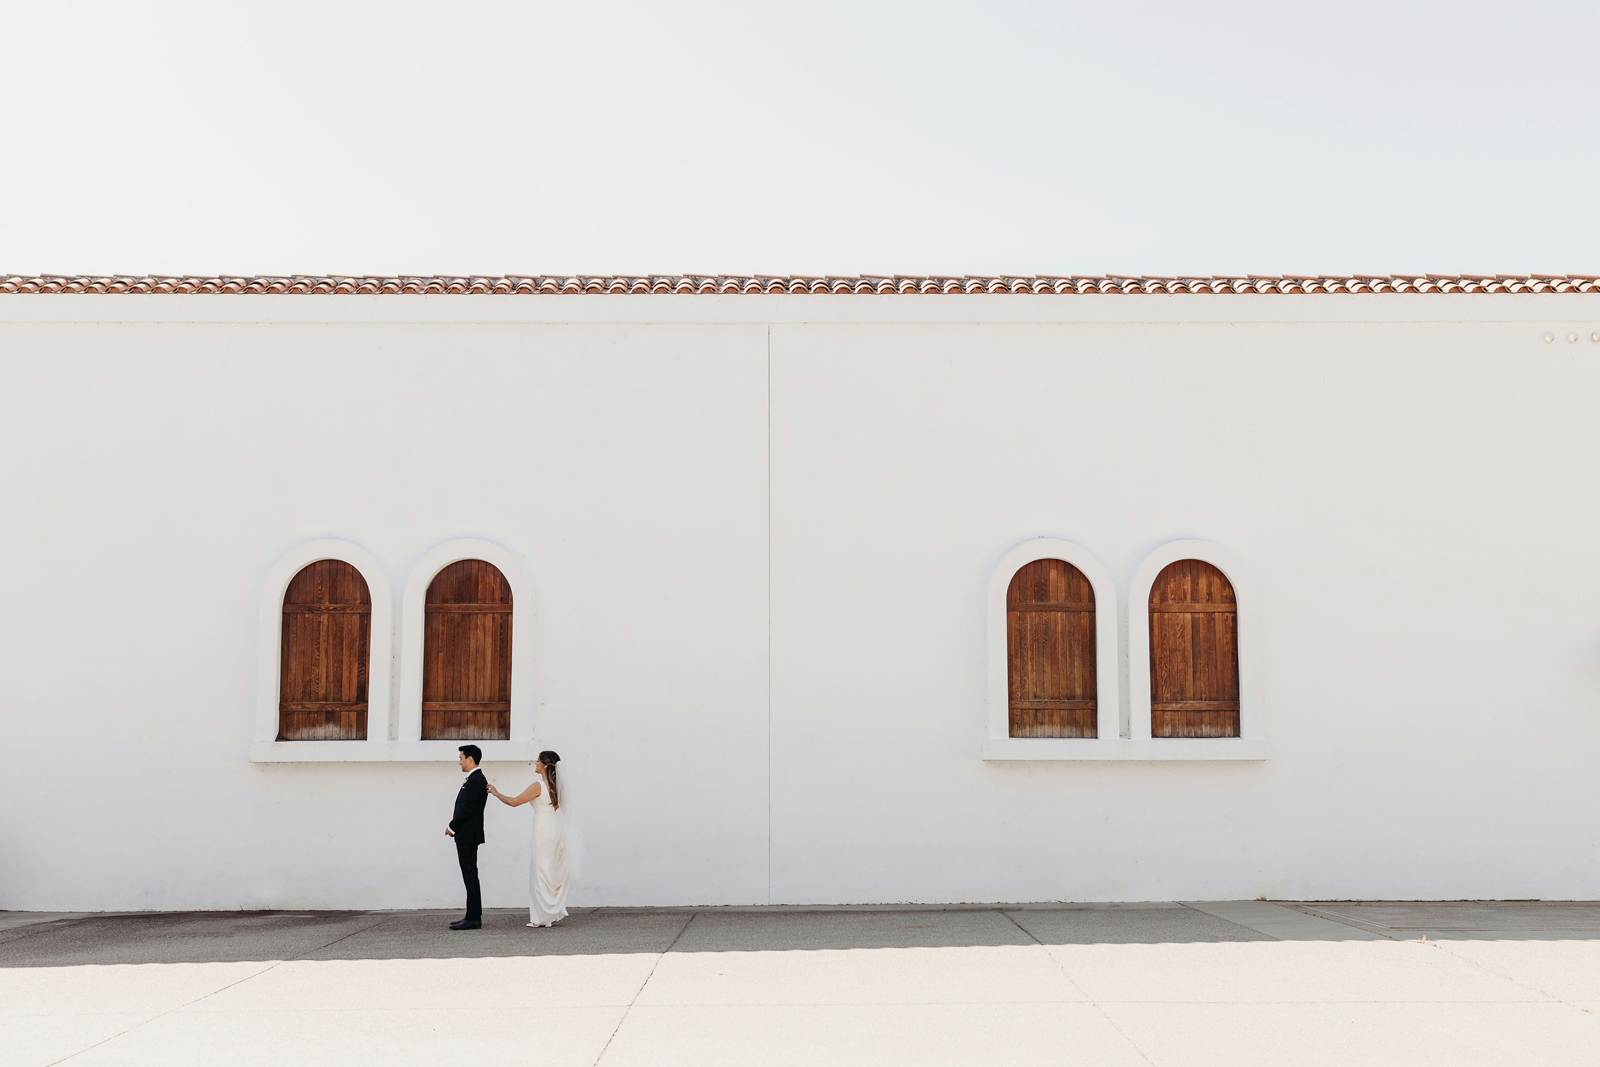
<point x="814" y="138"/>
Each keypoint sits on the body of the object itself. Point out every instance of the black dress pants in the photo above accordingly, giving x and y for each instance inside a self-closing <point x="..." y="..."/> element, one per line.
<point x="467" y="853"/>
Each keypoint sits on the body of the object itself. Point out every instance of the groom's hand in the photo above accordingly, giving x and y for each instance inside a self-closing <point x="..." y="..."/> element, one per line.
<point x="449" y="833"/>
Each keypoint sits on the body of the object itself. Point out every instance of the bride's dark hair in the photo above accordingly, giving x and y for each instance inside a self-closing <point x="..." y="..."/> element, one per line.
<point x="550" y="759"/>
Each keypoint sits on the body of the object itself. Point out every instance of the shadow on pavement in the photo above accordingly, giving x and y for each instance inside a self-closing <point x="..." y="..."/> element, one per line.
<point x="207" y="937"/>
<point x="1464" y="920"/>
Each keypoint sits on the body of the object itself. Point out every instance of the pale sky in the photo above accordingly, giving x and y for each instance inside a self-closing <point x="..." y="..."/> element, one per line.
<point x="815" y="138"/>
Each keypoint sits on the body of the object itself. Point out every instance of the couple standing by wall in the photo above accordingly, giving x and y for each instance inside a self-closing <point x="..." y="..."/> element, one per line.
<point x="552" y="866"/>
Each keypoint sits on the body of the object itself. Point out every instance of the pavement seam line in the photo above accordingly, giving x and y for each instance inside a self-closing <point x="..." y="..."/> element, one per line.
<point x="1240" y="925"/>
<point x="1343" y="920"/>
<point x="1074" y="984"/>
<point x="271" y="966"/>
<point x="1394" y="935"/>
<point x="640" y="991"/>
<point x="1485" y="967"/>
<point x="33" y="928"/>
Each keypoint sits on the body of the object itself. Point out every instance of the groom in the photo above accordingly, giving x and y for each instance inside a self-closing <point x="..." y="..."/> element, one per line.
<point x="467" y="828"/>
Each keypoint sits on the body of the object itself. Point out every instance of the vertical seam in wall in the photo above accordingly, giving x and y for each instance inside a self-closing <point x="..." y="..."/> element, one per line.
<point x="769" y="614"/>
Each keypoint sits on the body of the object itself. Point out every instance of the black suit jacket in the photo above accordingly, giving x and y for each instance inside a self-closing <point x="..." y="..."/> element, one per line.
<point x="470" y="799"/>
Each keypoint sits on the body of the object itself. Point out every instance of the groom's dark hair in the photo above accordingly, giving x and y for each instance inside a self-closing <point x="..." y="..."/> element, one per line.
<point x="472" y="750"/>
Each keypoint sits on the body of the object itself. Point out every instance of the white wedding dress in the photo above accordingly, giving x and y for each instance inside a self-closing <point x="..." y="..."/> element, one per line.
<point x="553" y="864"/>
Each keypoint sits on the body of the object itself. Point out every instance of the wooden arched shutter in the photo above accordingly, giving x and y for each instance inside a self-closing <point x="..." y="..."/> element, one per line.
<point x="466" y="654"/>
<point x="1050" y="651"/>
<point x="1194" y="652"/>
<point x="326" y="645"/>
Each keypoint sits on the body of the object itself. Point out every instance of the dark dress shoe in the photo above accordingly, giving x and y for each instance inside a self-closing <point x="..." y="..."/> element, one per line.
<point x="466" y="924"/>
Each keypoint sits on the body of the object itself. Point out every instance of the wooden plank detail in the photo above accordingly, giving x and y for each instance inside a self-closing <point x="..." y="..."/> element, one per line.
<point x="325" y="648"/>
<point x="466" y="654"/>
<point x="1065" y="605"/>
<point x="327" y="609"/>
<point x="1194" y="652"/>
<point x="1051" y="672"/>
<point x="1067" y="705"/>
<point x="322" y="726"/>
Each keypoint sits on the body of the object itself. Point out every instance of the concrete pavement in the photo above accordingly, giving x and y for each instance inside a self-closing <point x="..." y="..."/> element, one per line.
<point x="1240" y="982"/>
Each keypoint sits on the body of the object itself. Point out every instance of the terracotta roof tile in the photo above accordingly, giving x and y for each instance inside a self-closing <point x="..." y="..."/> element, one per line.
<point x="763" y="284"/>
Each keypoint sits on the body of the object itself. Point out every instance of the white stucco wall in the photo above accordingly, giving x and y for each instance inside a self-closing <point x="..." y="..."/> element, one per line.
<point x="760" y="533"/>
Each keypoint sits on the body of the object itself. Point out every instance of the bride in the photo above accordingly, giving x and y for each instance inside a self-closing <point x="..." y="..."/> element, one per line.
<point x="552" y="870"/>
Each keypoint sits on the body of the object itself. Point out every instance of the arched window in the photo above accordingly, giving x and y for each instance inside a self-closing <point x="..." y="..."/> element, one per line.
<point x="325" y="654"/>
<point x="466" y="657"/>
<point x="1050" y="651"/>
<point x="1194" y="652"/>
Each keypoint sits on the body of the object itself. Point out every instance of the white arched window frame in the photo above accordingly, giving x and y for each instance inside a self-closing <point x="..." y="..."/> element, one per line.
<point x="998" y="744"/>
<point x="1252" y="742"/>
<point x="412" y="621"/>
<point x="380" y="668"/>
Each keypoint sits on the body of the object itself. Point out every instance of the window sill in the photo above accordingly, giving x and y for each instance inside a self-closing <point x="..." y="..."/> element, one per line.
<point x="1121" y="748"/>
<point x="388" y="751"/>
